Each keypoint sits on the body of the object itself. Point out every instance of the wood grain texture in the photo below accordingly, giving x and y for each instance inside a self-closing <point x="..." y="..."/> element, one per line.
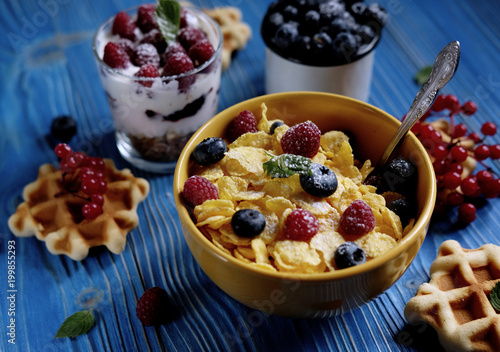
<point x="47" y="69"/>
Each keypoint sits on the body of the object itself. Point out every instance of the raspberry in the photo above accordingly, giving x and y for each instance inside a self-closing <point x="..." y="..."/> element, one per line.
<point x="127" y="45"/>
<point x="357" y="219"/>
<point x="201" y="52"/>
<point x="176" y="64"/>
<point x="171" y="49"/>
<point x="147" y="71"/>
<point x="301" y="225"/>
<point x="302" y="139"/>
<point x="146" y="54"/>
<point x="115" y="56"/>
<point x="146" y="20"/>
<point x="243" y="123"/>
<point x="188" y="36"/>
<point x="123" y="26"/>
<point x="198" y="189"/>
<point x="155" y="38"/>
<point x="183" y="21"/>
<point x="152" y="307"/>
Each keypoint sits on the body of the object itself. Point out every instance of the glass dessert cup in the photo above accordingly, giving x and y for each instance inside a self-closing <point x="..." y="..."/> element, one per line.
<point x="155" y="117"/>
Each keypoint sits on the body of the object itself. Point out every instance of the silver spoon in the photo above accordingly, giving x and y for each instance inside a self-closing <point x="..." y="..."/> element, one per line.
<point x="443" y="70"/>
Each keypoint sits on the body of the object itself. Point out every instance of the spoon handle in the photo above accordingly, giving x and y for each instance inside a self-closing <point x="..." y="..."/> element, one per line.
<point x="443" y="70"/>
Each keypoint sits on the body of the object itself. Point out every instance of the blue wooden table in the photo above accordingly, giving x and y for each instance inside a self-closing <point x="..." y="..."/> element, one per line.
<point x="47" y="69"/>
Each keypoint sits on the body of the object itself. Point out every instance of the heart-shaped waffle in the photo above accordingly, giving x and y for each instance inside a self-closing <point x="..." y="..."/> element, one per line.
<point x="456" y="300"/>
<point x="55" y="216"/>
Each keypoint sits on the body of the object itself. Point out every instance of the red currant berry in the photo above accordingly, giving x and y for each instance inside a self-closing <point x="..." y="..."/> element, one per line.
<point x="466" y="213"/>
<point x="482" y="152"/>
<point x="459" y="130"/>
<point x="103" y="186"/>
<point x="90" y="185"/>
<point x="491" y="188"/>
<point x="91" y="210"/>
<point x="96" y="163"/>
<point x="454" y="199"/>
<point x="495" y="151"/>
<point x="489" y="129"/>
<point x="441" y="166"/>
<point x="63" y="151"/>
<point x="426" y="131"/>
<point x="476" y="138"/>
<point x="65" y="168"/>
<point x="456" y="167"/>
<point x="469" y="108"/>
<point x="469" y="186"/>
<point x="439" y="103"/>
<point x="440" y="152"/>
<point x="452" y="103"/>
<point x="416" y="127"/>
<point x="458" y="153"/>
<point x="452" y="180"/>
<point x="484" y="176"/>
<point x="435" y="136"/>
<point x="97" y="198"/>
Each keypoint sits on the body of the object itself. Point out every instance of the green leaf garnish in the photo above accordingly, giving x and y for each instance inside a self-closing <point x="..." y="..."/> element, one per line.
<point x="168" y="17"/>
<point x="76" y="324"/>
<point x="423" y="74"/>
<point x="495" y="297"/>
<point x="286" y="165"/>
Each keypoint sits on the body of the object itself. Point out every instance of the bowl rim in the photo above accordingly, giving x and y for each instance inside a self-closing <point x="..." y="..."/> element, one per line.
<point x="402" y="246"/>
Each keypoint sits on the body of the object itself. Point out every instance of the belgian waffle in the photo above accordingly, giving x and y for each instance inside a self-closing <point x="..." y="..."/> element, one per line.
<point x="236" y="33"/>
<point x="456" y="300"/>
<point x="54" y="216"/>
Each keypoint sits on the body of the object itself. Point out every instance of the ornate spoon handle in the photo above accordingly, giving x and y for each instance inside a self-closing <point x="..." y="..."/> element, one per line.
<point x="443" y="70"/>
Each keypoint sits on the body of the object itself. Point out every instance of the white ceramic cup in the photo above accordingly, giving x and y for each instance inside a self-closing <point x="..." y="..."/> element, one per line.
<point x="351" y="79"/>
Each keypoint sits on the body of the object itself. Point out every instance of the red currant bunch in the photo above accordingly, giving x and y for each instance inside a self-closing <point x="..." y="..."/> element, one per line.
<point x="83" y="176"/>
<point x="455" y="153"/>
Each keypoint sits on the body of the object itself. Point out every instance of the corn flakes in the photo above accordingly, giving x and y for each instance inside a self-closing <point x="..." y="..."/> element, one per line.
<point x="243" y="184"/>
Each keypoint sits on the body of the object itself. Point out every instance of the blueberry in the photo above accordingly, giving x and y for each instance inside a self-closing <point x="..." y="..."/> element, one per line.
<point x="321" y="43"/>
<point x="357" y="10"/>
<point x="63" y="128"/>
<point x="400" y="177"/>
<point x="331" y="9"/>
<point x="311" y="20"/>
<point x="290" y="13"/>
<point x="366" y="34"/>
<point x="346" y="45"/>
<point x="248" y="223"/>
<point x="274" y="126"/>
<point x="286" y="35"/>
<point x="275" y="21"/>
<point x="377" y="14"/>
<point x="209" y="151"/>
<point x="322" y="183"/>
<point x="349" y="254"/>
<point x="404" y="209"/>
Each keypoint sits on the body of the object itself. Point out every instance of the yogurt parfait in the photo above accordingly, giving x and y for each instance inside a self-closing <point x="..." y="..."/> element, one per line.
<point x="160" y="67"/>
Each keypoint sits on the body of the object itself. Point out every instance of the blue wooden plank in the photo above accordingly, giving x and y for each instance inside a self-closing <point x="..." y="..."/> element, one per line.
<point x="47" y="69"/>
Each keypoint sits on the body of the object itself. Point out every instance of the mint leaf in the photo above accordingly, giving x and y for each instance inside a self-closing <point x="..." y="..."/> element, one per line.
<point x="423" y="75"/>
<point x="286" y="165"/>
<point x="168" y="17"/>
<point x="76" y="324"/>
<point x="495" y="297"/>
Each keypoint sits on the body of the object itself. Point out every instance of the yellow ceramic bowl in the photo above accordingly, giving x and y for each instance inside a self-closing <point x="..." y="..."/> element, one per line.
<point x="325" y="294"/>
